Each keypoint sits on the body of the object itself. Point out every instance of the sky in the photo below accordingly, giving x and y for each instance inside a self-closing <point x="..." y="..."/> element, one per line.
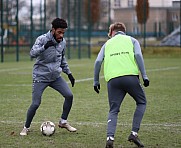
<point x="25" y="11"/>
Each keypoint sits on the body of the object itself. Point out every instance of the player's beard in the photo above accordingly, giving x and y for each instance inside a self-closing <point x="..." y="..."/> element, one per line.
<point x="58" y="41"/>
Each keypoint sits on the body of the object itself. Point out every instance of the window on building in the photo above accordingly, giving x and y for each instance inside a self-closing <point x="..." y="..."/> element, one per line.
<point x="174" y="17"/>
<point x="117" y="3"/>
<point x="130" y="3"/>
<point x="176" y="3"/>
<point x="135" y="29"/>
<point x="135" y="20"/>
<point x="104" y="8"/>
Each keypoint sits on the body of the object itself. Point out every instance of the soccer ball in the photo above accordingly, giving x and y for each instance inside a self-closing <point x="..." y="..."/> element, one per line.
<point x="47" y="128"/>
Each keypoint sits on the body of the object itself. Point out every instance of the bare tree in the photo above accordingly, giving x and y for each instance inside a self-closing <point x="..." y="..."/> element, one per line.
<point x="10" y="9"/>
<point x="142" y="11"/>
<point x="92" y="10"/>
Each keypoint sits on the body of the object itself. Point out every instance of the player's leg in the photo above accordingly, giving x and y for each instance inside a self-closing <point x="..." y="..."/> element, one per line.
<point x="137" y="92"/>
<point x="115" y="96"/>
<point x="37" y="90"/>
<point x="62" y="87"/>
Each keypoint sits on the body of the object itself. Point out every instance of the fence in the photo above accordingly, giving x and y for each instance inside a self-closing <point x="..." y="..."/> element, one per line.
<point x="23" y="21"/>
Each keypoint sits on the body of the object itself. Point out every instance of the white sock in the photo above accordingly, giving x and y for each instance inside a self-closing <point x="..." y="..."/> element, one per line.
<point x="111" y="138"/>
<point x="63" y="121"/>
<point x="134" y="133"/>
<point x="26" y="127"/>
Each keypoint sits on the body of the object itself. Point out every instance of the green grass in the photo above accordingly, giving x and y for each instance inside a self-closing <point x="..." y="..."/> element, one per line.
<point x="161" y="126"/>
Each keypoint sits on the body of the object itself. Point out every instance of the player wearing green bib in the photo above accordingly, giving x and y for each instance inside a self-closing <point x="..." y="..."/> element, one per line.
<point x="122" y="62"/>
<point x="119" y="54"/>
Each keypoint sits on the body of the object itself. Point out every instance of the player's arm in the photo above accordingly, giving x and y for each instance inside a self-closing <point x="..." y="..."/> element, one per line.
<point x="139" y="59"/>
<point x="97" y="68"/>
<point x="64" y="64"/>
<point x="37" y="48"/>
<point x="66" y="69"/>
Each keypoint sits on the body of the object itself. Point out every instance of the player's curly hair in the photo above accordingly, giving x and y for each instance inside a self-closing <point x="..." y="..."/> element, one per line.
<point x="59" y="23"/>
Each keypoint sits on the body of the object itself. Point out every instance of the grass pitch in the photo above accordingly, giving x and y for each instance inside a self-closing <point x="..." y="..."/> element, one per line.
<point x="161" y="125"/>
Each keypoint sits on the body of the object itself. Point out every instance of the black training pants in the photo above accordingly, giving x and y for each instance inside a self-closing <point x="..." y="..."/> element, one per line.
<point x="38" y="87"/>
<point x="117" y="89"/>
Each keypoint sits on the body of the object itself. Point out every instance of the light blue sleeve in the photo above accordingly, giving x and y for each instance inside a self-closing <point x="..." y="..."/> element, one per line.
<point x="139" y="58"/>
<point x="97" y="65"/>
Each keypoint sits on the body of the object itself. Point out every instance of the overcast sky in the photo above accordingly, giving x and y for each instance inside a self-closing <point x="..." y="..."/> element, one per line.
<point x="25" y="11"/>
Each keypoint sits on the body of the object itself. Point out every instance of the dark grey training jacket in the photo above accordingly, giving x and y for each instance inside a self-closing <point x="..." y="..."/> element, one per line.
<point x="49" y="62"/>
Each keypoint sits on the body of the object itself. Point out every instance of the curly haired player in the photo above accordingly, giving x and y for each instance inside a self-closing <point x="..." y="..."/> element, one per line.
<point x="49" y="51"/>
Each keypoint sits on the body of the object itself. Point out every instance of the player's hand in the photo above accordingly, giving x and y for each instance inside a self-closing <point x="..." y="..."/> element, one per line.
<point x="97" y="88"/>
<point x="146" y="82"/>
<point x="49" y="44"/>
<point x="72" y="80"/>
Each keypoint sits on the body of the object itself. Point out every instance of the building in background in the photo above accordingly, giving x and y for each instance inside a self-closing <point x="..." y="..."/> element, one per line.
<point x="164" y="16"/>
<point x="131" y="3"/>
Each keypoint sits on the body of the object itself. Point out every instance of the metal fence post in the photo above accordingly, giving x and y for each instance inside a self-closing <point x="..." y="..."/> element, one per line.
<point x="31" y="30"/>
<point x="17" y="31"/>
<point x="58" y="8"/>
<point x="44" y="16"/>
<point x="144" y="24"/>
<point x="2" y="53"/>
<point x="89" y="29"/>
<point x="180" y="24"/>
<point x="79" y="29"/>
<point x="41" y="17"/>
<point x="68" y="32"/>
<point x="109" y="13"/>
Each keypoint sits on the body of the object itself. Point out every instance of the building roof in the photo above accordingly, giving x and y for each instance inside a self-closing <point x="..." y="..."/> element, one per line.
<point x="173" y="39"/>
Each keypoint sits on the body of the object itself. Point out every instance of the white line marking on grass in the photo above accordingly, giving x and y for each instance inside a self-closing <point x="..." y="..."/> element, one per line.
<point x="16" y="85"/>
<point x="20" y="73"/>
<point x="89" y="79"/>
<point x="164" y="69"/>
<point x="104" y="123"/>
<point x="130" y="124"/>
<point x="14" y="69"/>
<point x="159" y="69"/>
<point x="17" y="69"/>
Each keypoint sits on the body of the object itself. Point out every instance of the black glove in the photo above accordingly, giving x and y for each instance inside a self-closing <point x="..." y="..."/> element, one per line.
<point x="97" y="88"/>
<point x="146" y="82"/>
<point x="71" y="78"/>
<point x="49" y="44"/>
